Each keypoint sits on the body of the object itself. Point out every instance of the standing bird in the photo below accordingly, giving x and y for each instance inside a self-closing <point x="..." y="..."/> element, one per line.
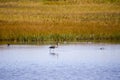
<point x="53" y="47"/>
<point x="102" y="48"/>
<point x="8" y="44"/>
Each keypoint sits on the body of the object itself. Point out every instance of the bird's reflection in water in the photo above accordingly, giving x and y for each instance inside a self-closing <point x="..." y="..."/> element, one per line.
<point x="54" y="54"/>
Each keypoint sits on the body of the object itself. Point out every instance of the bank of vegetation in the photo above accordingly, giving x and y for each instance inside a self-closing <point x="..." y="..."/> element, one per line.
<point x="59" y="20"/>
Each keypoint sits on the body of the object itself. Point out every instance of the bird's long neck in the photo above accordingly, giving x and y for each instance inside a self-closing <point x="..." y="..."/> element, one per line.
<point x="56" y="45"/>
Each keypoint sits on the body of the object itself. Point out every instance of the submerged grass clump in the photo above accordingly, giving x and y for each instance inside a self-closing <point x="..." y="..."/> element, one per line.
<point x="59" y="20"/>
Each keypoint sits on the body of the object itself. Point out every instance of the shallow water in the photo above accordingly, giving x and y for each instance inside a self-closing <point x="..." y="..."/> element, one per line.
<point x="86" y="61"/>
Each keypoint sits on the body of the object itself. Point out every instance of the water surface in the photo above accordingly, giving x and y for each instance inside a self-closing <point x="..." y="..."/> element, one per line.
<point x="84" y="61"/>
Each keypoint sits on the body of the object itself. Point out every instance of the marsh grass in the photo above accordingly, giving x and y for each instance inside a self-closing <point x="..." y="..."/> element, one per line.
<point x="65" y="20"/>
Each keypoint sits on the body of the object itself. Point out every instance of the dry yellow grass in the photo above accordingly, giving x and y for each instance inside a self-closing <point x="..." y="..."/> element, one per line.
<point x="61" y="21"/>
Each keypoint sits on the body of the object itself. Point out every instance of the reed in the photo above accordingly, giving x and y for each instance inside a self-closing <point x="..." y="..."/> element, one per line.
<point x="61" y="20"/>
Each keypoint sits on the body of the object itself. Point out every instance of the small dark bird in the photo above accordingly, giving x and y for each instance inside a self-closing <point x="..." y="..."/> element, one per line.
<point x="102" y="48"/>
<point x="8" y="44"/>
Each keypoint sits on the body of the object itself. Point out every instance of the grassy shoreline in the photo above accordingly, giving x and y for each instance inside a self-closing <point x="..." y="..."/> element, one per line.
<point x="30" y="21"/>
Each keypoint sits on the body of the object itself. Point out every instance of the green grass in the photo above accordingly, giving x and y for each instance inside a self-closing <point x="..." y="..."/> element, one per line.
<point x="62" y="20"/>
